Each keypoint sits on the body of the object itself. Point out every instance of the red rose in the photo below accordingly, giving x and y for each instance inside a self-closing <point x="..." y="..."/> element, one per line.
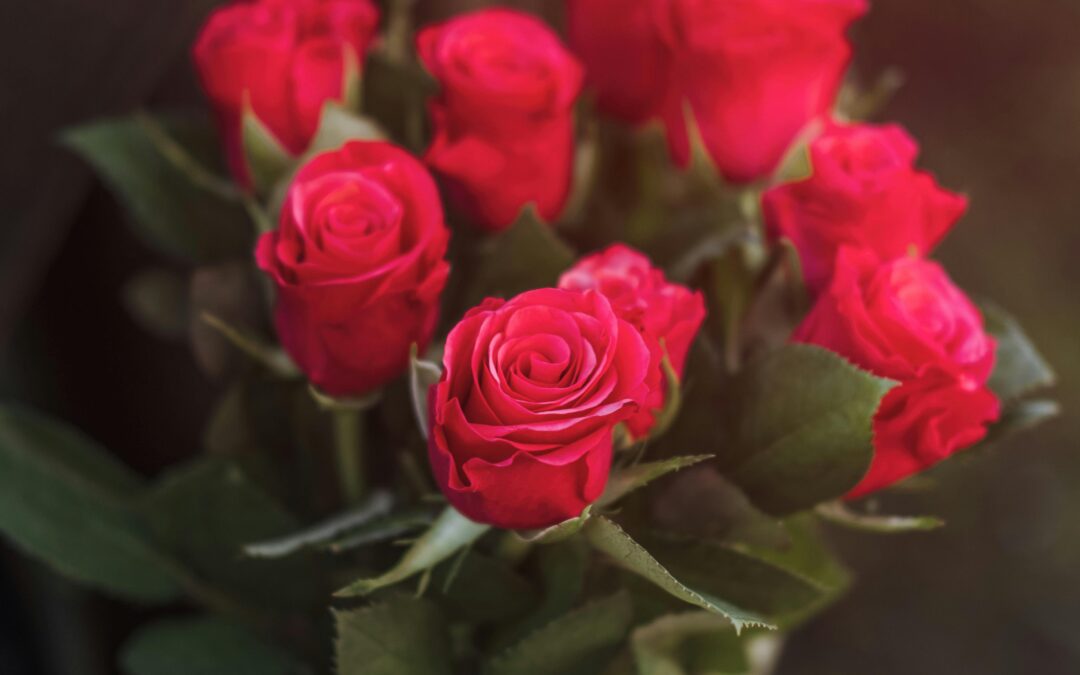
<point x="358" y="261"/>
<point x="504" y="124"/>
<point x="287" y="57"/>
<point x="660" y="310"/>
<point x="522" y="418"/>
<point x="865" y="192"/>
<point x="627" y="61"/>
<point x="906" y="320"/>
<point x="756" y="73"/>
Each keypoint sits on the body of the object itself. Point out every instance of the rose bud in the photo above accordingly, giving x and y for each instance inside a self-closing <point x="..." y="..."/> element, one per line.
<point x="358" y="264"/>
<point x="504" y="123"/>
<point x="532" y="388"/>
<point x="627" y="62"/>
<point x="283" y="58"/>
<point x="905" y="320"/>
<point x="864" y="192"/>
<point x="667" y="315"/>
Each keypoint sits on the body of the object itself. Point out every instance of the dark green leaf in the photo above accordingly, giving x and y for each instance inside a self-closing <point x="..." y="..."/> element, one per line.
<point x="528" y="255"/>
<point x="578" y="643"/>
<point x="447" y="535"/>
<point x="207" y="511"/>
<point x="1021" y="416"/>
<point x="159" y="169"/>
<point x="203" y="646"/>
<point x="799" y="427"/>
<point x="405" y="636"/>
<point x="625" y="481"/>
<point x="479" y="589"/>
<point x="609" y="538"/>
<point x="561" y="568"/>
<point x="64" y="500"/>
<point x="1019" y="369"/>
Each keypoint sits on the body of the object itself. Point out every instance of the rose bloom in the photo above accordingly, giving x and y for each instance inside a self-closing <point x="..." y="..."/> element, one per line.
<point x="522" y="419"/>
<point x="665" y="313"/>
<point x="905" y="320"/>
<point x="504" y="123"/>
<point x="286" y="58"/>
<point x="865" y="192"/>
<point x="754" y="73"/>
<point x="358" y="264"/>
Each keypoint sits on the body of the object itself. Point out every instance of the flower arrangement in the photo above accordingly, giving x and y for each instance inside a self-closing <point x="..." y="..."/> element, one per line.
<point x="556" y="351"/>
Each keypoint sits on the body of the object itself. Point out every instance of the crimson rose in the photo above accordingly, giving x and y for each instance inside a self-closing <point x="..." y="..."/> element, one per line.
<point x="754" y="73"/>
<point x="284" y="58"/>
<point x="865" y="192"/>
<point x="358" y="262"/>
<point x="522" y="418"/>
<point x="905" y="320"/>
<point x="504" y="124"/>
<point x="668" y="315"/>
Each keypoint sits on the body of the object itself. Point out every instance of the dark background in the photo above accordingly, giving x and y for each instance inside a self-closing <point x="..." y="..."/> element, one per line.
<point x="993" y="94"/>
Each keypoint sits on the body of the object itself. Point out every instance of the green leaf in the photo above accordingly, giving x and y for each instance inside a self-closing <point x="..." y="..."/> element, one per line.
<point x="339" y="125"/>
<point x="558" y="532"/>
<point x="530" y="254"/>
<point x="163" y="172"/>
<point x="625" y="481"/>
<point x="382" y="529"/>
<point x="448" y="534"/>
<point x="65" y="501"/>
<point x="578" y="643"/>
<point x="1019" y="368"/>
<point x="423" y="375"/>
<point x="1021" y="416"/>
<point x="203" y="646"/>
<point x="267" y="159"/>
<point x="206" y="511"/>
<point x="562" y="568"/>
<point x="799" y="428"/>
<point x="691" y="643"/>
<point x="406" y="636"/>
<point x="609" y="538"/>
<point x="839" y="514"/>
<point x="376" y="506"/>
<point x="737" y="575"/>
<point x="480" y="589"/>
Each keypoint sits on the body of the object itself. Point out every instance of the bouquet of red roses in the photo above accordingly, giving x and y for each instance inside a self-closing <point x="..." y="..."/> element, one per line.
<point x="541" y="350"/>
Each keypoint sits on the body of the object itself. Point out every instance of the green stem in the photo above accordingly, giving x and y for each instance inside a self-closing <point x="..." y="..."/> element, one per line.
<point x="512" y="548"/>
<point x="348" y="436"/>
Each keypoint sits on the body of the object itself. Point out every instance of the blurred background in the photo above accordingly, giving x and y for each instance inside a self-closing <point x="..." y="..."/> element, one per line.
<point x="992" y="91"/>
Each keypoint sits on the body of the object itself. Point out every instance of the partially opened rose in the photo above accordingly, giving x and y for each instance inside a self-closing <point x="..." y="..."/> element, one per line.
<point x="905" y="320"/>
<point x="284" y="58"/>
<point x="865" y="192"/>
<point x="358" y="263"/>
<point x="522" y="419"/>
<point x="668" y="315"/>
<point x="755" y="73"/>
<point x="504" y="124"/>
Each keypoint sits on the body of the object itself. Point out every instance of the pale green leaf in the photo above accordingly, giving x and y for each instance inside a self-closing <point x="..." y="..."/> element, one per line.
<point x="446" y="536"/>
